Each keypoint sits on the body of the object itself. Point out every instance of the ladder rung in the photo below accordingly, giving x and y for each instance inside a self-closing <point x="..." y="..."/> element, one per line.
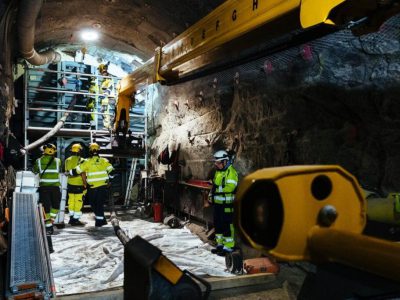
<point x="130" y="181"/>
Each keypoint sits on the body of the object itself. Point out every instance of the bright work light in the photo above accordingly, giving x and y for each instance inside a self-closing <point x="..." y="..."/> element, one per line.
<point x="89" y="35"/>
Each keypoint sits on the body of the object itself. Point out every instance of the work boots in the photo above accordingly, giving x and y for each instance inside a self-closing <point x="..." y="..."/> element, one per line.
<point x="219" y="250"/>
<point x="49" y="230"/>
<point x="76" y="222"/>
<point x="100" y="223"/>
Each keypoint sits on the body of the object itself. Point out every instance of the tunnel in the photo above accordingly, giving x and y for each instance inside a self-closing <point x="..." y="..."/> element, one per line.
<point x="279" y="86"/>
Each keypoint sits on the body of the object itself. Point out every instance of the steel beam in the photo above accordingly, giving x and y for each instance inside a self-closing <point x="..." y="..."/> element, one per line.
<point x="234" y="20"/>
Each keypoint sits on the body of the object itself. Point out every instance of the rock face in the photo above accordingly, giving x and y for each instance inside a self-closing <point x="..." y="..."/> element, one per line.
<point x="6" y="75"/>
<point x="330" y="101"/>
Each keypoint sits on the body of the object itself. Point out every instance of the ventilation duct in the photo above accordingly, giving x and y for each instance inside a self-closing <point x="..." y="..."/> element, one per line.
<point x="27" y="15"/>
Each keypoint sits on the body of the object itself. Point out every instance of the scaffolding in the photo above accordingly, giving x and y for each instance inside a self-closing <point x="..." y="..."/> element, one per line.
<point x="48" y="93"/>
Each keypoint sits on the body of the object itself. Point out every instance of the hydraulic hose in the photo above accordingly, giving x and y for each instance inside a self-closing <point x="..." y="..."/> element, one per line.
<point x="52" y="132"/>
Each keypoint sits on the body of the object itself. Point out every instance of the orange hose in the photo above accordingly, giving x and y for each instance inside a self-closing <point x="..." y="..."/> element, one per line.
<point x="7" y="214"/>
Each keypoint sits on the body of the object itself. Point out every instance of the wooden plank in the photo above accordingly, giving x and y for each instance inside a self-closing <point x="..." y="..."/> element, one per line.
<point x="197" y="184"/>
<point x="217" y="283"/>
<point x="220" y="283"/>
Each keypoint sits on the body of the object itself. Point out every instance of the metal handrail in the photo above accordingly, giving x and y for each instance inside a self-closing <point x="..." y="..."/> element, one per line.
<point x="71" y="73"/>
<point x="58" y="91"/>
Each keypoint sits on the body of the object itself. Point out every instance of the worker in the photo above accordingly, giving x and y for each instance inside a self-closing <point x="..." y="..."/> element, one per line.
<point x="76" y="186"/>
<point x="97" y="171"/>
<point x="91" y="104"/>
<point x="48" y="167"/>
<point x="106" y="87"/>
<point x="222" y="196"/>
<point x="122" y="107"/>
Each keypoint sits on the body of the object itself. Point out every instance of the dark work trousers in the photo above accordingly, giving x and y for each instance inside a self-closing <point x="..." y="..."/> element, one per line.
<point x="223" y="220"/>
<point x="50" y="197"/>
<point x="97" y="197"/>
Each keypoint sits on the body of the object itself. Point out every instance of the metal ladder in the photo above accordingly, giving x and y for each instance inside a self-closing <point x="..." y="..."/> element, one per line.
<point x="131" y="179"/>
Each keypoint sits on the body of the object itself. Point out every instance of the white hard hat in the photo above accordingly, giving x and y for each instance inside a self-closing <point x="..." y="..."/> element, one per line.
<point x="221" y="155"/>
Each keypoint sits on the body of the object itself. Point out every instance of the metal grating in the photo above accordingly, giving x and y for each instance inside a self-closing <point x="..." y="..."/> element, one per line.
<point x="27" y="265"/>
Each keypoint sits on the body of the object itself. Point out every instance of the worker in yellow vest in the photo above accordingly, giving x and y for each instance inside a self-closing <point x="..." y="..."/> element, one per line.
<point x="76" y="186"/>
<point x="106" y="88"/>
<point x="225" y="183"/>
<point x="97" y="171"/>
<point x="48" y="167"/>
<point x="91" y="104"/>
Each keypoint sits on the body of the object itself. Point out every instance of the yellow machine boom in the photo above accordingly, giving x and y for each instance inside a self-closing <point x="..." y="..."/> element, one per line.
<point x="240" y="24"/>
<point x="235" y="19"/>
<point x="314" y="213"/>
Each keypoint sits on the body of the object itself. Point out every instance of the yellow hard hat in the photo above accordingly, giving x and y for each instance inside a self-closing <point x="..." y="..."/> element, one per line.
<point x="94" y="147"/>
<point x="76" y="148"/>
<point x="103" y="68"/>
<point x="49" y="149"/>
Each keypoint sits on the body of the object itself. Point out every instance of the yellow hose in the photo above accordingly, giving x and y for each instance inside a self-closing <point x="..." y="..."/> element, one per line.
<point x="385" y="210"/>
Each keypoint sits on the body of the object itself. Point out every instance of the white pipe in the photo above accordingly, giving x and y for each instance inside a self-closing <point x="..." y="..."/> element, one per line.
<point x="27" y="15"/>
<point x="52" y="132"/>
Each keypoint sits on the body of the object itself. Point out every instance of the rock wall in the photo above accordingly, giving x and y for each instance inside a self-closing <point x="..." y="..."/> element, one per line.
<point x="329" y="101"/>
<point x="7" y="16"/>
<point x="7" y="102"/>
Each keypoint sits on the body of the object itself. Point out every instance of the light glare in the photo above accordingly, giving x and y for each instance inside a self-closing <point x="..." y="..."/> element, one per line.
<point x="89" y="35"/>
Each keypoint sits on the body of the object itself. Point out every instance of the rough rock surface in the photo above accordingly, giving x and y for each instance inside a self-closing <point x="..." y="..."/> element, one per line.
<point x="329" y="101"/>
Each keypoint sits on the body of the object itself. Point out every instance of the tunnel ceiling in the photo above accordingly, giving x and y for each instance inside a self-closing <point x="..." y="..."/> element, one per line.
<point x="136" y="27"/>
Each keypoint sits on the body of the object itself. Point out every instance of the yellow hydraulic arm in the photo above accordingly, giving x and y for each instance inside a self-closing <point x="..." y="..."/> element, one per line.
<point x="236" y="19"/>
<point x="312" y="213"/>
<point x="240" y="23"/>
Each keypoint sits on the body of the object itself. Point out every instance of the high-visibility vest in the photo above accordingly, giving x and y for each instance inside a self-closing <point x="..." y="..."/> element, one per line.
<point x="71" y="163"/>
<point x="225" y="183"/>
<point x="97" y="169"/>
<point x="50" y="177"/>
<point x="94" y="88"/>
<point x="107" y="86"/>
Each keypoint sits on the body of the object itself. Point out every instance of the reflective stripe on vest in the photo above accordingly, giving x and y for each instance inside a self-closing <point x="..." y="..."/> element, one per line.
<point x="96" y="169"/>
<point x="225" y="198"/>
<point x="90" y="180"/>
<point x="90" y="175"/>
<point x="232" y="181"/>
<point x="48" y="174"/>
